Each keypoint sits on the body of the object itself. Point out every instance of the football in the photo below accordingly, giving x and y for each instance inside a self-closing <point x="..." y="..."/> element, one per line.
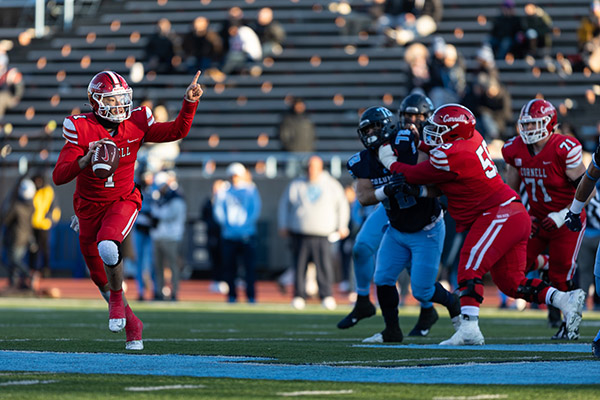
<point x="105" y="160"/>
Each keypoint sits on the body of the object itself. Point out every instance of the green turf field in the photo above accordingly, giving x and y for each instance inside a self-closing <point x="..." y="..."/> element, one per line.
<point x="280" y="338"/>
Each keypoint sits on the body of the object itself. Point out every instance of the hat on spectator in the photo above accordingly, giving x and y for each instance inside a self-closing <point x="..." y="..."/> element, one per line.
<point x="486" y="54"/>
<point x="236" y="169"/>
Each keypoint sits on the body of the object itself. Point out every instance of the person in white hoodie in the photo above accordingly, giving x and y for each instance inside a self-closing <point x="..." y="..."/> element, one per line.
<point x="311" y="210"/>
<point x="170" y="214"/>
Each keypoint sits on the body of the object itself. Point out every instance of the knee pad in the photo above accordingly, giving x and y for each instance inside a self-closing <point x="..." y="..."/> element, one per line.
<point x="110" y="253"/>
<point x="468" y="288"/>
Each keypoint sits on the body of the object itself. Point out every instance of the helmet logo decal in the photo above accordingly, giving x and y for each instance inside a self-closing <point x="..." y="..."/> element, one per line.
<point x="460" y="118"/>
<point x="544" y="110"/>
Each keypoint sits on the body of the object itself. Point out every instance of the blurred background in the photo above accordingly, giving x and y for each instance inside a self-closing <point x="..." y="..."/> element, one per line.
<point x="283" y="80"/>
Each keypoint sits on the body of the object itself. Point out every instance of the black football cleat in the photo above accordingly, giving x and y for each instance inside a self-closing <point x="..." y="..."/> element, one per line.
<point x="596" y="348"/>
<point x="362" y="309"/>
<point x="427" y="318"/>
<point x="386" y="336"/>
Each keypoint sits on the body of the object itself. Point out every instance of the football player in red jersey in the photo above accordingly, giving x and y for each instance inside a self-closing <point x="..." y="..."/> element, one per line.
<point x="550" y="166"/>
<point x="478" y="199"/>
<point x="107" y="208"/>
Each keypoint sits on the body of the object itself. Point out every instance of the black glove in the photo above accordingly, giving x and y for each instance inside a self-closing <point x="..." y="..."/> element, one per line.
<point x="573" y="221"/>
<point x="535" y="226"/>
<point x="411" y="190"/>
<point x="394" y="185"/>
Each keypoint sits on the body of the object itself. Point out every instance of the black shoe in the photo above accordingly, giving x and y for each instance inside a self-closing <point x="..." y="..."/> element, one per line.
<point x="427" y="318"/>
<point x="392" y="335"/>
<point x="596" y="348"/>
<point x="554" y="318"/>
<point x="454" y="308"/>
<point x="362" y="309"/>
<point x="562" y="333"/>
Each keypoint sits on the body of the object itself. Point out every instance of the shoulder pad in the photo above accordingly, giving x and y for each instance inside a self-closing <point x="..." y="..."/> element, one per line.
<point x="70" y="131"/>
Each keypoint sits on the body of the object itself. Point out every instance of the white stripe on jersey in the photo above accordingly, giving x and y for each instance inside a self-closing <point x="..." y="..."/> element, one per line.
<point x="439" y="160"/>
<point x="574" y="158"/>
<point x="484" y="243"/>
<point x="149" y="117"/>
<point x="69" y="131"/>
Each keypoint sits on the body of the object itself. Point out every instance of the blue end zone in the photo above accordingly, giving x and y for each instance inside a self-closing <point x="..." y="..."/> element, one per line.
<point x="514" y="373"/>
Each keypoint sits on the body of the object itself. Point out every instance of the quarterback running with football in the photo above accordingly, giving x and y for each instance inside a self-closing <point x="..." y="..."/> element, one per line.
<point x="498" y="223"/>
<point x="106" y="209"/>
<point x="550" y="165"/>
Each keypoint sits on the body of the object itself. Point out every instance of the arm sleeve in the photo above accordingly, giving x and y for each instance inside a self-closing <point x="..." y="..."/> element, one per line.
<point x="423" y="173"/>
<point x="67" y="166"/>
<point x="159" y="132"/>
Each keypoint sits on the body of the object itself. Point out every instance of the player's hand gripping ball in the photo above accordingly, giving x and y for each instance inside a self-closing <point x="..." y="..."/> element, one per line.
<point x="105" y="159"/>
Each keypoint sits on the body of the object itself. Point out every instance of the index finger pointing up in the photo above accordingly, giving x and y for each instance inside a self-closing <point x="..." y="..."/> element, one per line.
<point x="195" y="81"/>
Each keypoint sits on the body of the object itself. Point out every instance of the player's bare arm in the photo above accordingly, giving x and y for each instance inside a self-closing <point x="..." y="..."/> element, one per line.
<point x="585" y="190"/>
<point x="365" y="192"/>
<point x="194" y="91"/>
<point x="512" y="177"/>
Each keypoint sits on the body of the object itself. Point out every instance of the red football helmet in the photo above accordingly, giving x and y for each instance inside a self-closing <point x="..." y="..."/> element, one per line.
<point x="541" y="114"/>
<point x="448" y="123"/>
<point x="110" y="96"/>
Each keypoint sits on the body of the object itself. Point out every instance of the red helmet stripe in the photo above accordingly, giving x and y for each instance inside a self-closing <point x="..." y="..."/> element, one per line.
<point x="114" y="78"/>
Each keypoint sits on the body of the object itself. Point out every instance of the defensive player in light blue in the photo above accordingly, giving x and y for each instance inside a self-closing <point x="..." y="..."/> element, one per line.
<point x="416" y="231"/>
<point x="370" y="175"/>
<point x="585" y="190"/>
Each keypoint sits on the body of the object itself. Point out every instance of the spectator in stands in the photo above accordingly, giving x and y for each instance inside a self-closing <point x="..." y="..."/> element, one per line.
<point x="46" y="214"/>
<point x="202" y="47"/>
<point x="19" y="233"/>
<point x="488" y="98"/>
<point x="214" y="240"/>
<point x="296" y="129"/>
<point x="416" y="57"/>
<point x="161" y="48"/>
<point x="589" y="28"/>
<point x="310" y="210"/>
<point x="407" y="20"/>
<point x="170" y="213"/>
<point x="538" y="31"/>
<point x="507" y="30"/>
<point x="144" y="249"/>
<point x="12" y="86"/>
<point x="237" y="209"/>
<point x="360" y="17"/>
<point x="270" y="32"/>
<point x="448" y="74"/>
<point x="244" y="47"/>
<point x="588" y="36"/>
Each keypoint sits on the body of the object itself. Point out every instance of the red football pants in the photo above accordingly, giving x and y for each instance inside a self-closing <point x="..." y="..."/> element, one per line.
<point x="497" y="242"/>
<point x="563" y="248"/>
<point x="100" y="221"/>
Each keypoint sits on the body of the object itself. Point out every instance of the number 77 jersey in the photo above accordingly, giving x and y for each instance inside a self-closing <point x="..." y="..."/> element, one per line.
<point x="544" y="174"/>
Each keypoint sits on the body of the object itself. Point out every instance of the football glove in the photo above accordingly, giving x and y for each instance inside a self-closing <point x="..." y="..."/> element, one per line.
<point x="573" y="221"/>
<point x="554" y="220"/>
<point x="535" y="226"/>
<point x="394" y="185"/>
<point x="412" y="190"/>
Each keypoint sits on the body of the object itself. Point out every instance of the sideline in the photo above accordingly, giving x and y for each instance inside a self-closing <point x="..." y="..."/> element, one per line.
<point x="513" y="373"/>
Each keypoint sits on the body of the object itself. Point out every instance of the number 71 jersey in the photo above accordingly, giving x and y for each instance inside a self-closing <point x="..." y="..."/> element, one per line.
<point x="544" y="174"/>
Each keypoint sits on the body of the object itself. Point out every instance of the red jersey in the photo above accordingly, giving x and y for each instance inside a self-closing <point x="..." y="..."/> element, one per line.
<point x="544" y="174"/>
<point x="466" y="174"/>
<point x="80" y="130"/>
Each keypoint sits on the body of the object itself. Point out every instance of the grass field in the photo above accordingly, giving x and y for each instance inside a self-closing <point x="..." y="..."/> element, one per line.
<point x="214" y="350"/>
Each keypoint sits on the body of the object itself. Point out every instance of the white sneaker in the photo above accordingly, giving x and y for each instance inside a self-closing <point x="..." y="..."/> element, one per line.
<point x="571" y="304"/>
<point x="134" y="345"/>
<point x="298" y="303"/>
<point x="376" y="338"/>
<point x="468" y="333"/>
<point x="329" y="303"/>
